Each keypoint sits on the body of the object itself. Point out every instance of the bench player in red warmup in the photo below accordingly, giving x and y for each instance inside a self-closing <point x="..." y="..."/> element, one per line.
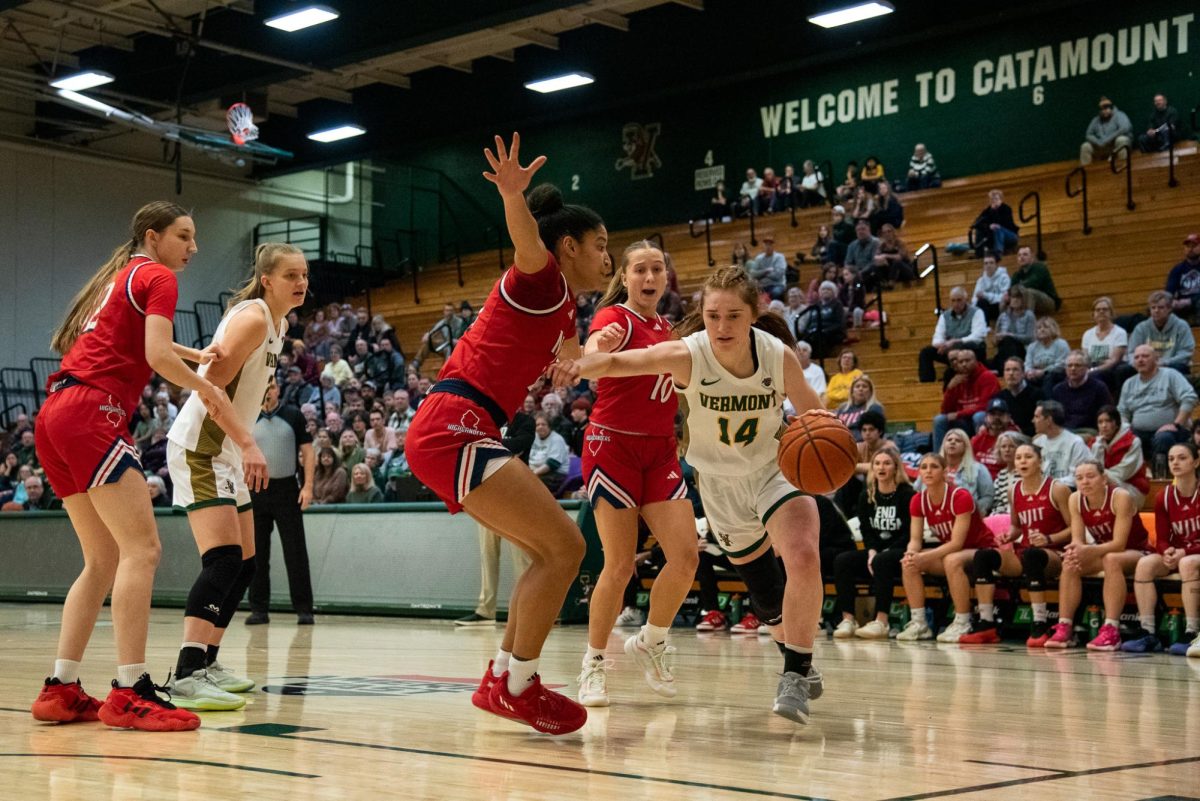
<point x="118" y="330"/>
<point x="454" y="445"/>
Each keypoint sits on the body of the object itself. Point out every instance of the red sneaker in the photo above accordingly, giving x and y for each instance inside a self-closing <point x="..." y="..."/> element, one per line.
<point x="749" y="624"/>
<point x="544" y="710"/>
<point x="480" y="697"/>
<point x="65" y="703"/>
<point x="1039" y="634"/>
<point x="980" y="637"/>
<point x="139" y="707"/>
<point x="713" y="621"/>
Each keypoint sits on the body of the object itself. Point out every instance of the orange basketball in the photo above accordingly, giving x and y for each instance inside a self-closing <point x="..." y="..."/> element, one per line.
<point x="817" y="454"/>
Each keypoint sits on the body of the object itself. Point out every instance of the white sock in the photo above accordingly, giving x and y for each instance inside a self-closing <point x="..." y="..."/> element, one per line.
<point x="653" y="636"/>
<point x="962" y="617"/>
<point x="593" y="655"/>
<point x="918" y="614"/>
<point x="202" y="646"/>
<point x="1193" y="624"/>
<point x="800" y="649"/>
<point x="520" y="675"/>
<point x="1108" y="621"/>
<point x="987" y="612"/>
<point x="1040" y="613"/>
<point x="1147" y="622"/>
<point x="127" y="675"/>
<point x="500" y="663"/>
<point x="66" y="670"/>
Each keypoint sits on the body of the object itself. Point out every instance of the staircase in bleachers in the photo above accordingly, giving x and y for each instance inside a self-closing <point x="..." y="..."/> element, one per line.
<point x="1126" y="256"/>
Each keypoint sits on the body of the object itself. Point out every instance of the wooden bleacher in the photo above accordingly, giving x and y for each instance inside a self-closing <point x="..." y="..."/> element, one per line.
<point x="1126" y="256"/>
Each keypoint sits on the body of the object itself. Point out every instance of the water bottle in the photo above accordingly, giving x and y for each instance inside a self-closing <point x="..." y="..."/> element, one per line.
<point x="1173" y="626"/>
<point x="1093" y="618"/>
<point x="735" y="609"/>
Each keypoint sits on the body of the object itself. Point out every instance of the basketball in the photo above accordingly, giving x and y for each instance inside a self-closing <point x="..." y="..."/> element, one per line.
<point x="817" y="454"/>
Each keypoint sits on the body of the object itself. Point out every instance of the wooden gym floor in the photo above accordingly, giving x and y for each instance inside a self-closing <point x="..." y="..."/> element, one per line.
<point x="378" y="708"/>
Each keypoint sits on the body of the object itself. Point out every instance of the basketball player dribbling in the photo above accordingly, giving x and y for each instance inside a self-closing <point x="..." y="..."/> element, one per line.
<point x="454" y="443"/>
<point x="117" y="332"/>
<point x="735" y="377"/>
<point x="631" y="469"/>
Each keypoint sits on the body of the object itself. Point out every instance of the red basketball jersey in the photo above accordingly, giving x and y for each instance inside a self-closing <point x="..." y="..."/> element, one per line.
<point x="1177" y="520"/>
<point x="516" y="336"/>
<point x="940" y="517"/>
<point x="643" y="404"/>
<point x="1100" y="522"/>
<point x="110" y="354"/>
<point x="1037" y="513"/>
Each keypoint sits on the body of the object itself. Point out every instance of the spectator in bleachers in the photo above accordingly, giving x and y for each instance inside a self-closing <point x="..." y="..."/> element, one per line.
<point x="295" y="392"/>
<point x="295" y="329"/>
<point x="423" y="386"/>
<point x="719" y="208"/>
<point x="1158" y="404"/>
<point x="350" y="450"/>
<point x="319" y="334"/>
<point x="581" y="410"/>
<point x="770" y="269"/>
<point x="1120" y="451"/>
<point x="860" y="255"/>
<point x="837" y="390"/>
<point x="552" y="406"/>
<point x="396" y="465"/>
<point x="1105" y="344"/>
<point x="24" y="472"/>
<point x="330" y="482"/>
<point x="1109" y="131"/>
<point x="441" y="336"/>
<point x="374" y="463"/>
<point x="965" y="401"/>
<point x="820" y="248"/>
<point x="362" y="327"/>
<point x="337" y="367"/>
<point x="159" y="498"/>
<point x="1020" y="397"/>
<point x="379" y="436"/>
<point x="748" y="195"/>
<point x="853" y="296"/>
<point x="1014" y="330"/>
<point x="995" y="229"/>
<point x="466" y="314"/>
<point x="960" y="326"/>
<point x="549" y="456"/>
<point x="385" y="366"/>
<point x="362" y="486"/>
<point x="767" y="191"/>
<point x="991" y="286"/>
<point x="1081" y="394"/>
<point x="862" y="399"/>
<point x="996" y="421"/>
<point x="740" y="255"/>
<point x="1034" y="277"/>
<point x="144" y="428"/>
<point x="793" y="309"/>
<point x="358" y="359"/>
<point x="843" y="232"/>
<point x="963" y="471"/>
<point x="1005" y="456"/>
<point x="863" y="206"/>
<point x="1046" y="356"/>
<point x="813" y="373"/>
<point x="1170" y="337"/>
<point x="8" y="476"/>
<point x="346" y="320"/>
<point x="811" y="186"/>
<point x="1061" y="449"/>
<point x="788" y="193"/>
<point x="305" y="361"/>
<point x="829" y="272"/>
<point x="892" y="261"/>
<point x="825" y="322"/>
<point x="327" y="393"/>
<point x="872" y="175"/>
<point x="1183" y="282"/>
<point x="37" y="497"/>
<point x="402" y="412"/>
<point x="1163" y="127"/>
<point x="922" y="170"/>
<point x="164" y="411"/>
<point x="847" y="189"/>
<point x="383" y="330"/>
<point x="26" y="450"/>
<point x="888" y="209"/>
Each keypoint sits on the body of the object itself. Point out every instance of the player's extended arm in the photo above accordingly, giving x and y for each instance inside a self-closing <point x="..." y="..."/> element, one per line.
<point x="665" y="357"/>
<point x="796" y="385"/>
<point x="511" y="180"/>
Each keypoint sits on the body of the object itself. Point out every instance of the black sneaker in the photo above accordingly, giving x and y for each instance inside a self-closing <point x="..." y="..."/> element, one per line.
<point x="475" y="619"/>
<point x="304" y="619"/>
<point x="257" y="618"/>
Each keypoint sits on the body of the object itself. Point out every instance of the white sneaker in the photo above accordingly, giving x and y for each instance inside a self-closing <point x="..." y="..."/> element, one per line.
<point x="653" y="662"/>
<point x="954" y="631"/>
<point x="846" y="629"/>
<point x="229" y="681"/>
<point x="915" y="630"/>
<point x="872" y="631"/>
<point x="1194" y="649"/>
<point x="593" y="683"/>
<point x="630" y="617"/>
<point x="199" y="691"/>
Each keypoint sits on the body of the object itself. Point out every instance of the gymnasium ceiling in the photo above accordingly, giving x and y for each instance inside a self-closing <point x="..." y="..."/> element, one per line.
<point x="411" y="70"/>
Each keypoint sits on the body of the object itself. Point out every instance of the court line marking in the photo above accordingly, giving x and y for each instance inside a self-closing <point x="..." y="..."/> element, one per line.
<point x="1014" y="765"/>
<point x="199" y="762"/>
<point x="520" y="763"/>
<point x="1066" y="774"/>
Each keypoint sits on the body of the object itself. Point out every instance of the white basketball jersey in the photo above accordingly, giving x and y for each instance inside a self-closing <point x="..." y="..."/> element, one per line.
<point x="733" y="423"/>
<point x="193" y="429"/>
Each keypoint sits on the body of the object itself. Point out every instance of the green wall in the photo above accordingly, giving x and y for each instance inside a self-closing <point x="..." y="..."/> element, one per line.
<point x="1020" y="95"/>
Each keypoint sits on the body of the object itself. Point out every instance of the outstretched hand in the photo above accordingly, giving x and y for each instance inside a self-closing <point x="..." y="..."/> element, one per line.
<point x="563" y="373"/>
<point x="609" y="337"/>
<point x="508" y="175"/>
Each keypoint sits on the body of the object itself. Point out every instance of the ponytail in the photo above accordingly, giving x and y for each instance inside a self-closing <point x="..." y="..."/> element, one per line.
<point x="266" y="259"/>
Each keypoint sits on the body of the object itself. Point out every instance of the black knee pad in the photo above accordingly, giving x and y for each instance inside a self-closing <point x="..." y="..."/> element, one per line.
<point x="764" y="581"/>
<point x="218" y="574"/>
<point x="1034" y="562"/>
<point x="986" y="562"/>
<point x="229" y="608"/>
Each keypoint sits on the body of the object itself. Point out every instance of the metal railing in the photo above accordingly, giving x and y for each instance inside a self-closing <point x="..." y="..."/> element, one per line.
<point x="209" y="314"/>
<point x="825" y="168"/>
<point x="932" y="268"/>
<point x="309" y="233"/>
<point x="1171" y="182"/>
<point x="43" y="367"/>
<point x="1082" y="190"/>
<point x="1035" y="217"/>
<point x="877" y="302"/>
<point x="707" y="237"/>
<point x="1127" y="169"/>
<point x="18" y="387"/>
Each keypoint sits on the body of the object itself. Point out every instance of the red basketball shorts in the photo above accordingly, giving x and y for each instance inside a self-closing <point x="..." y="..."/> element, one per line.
<point x="453" y="446"/>
<point x="83" y="441"/>
<point x="629" y="470"/>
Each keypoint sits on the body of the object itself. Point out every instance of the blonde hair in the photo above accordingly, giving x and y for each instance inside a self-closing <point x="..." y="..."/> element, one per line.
<point x="266" y="259"/>
<point x="871" y="400"/>
<point x="897" y="463"/>
<point x="370" y="476"/>
<point x="157" y="216"/>
<point x="968" y="466"/>
<point x="616" y="291"/>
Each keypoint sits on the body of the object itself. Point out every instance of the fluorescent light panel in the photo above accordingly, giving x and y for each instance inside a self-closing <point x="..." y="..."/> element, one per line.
<point x="85" y="101"/>
<point x="850" y="14"/>
<point x="303" y="18"/>
<point x="337" y="134"/>
<point x="560" y="82"/>
<point x="81" y="81"/>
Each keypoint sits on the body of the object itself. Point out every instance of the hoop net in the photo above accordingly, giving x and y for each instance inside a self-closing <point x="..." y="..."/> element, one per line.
<point x="240" y="120"/>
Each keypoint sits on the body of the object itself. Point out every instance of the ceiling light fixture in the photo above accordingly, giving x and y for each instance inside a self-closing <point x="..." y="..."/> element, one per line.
<point x="85" y="101"/>
<point x="560" y="82"/>
<point x="337" y="134"/>
<point x="855" y="13"/>
<point x="81" y="81"/>
<point x="302" y="18"/>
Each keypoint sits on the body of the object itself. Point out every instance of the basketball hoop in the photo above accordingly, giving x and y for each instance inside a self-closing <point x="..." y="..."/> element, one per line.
<point x="240" y="120"/>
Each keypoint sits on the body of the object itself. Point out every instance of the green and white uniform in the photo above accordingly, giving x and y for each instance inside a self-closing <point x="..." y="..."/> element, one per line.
<point x="205" y="465"/>
<point x="733" y="427"/>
